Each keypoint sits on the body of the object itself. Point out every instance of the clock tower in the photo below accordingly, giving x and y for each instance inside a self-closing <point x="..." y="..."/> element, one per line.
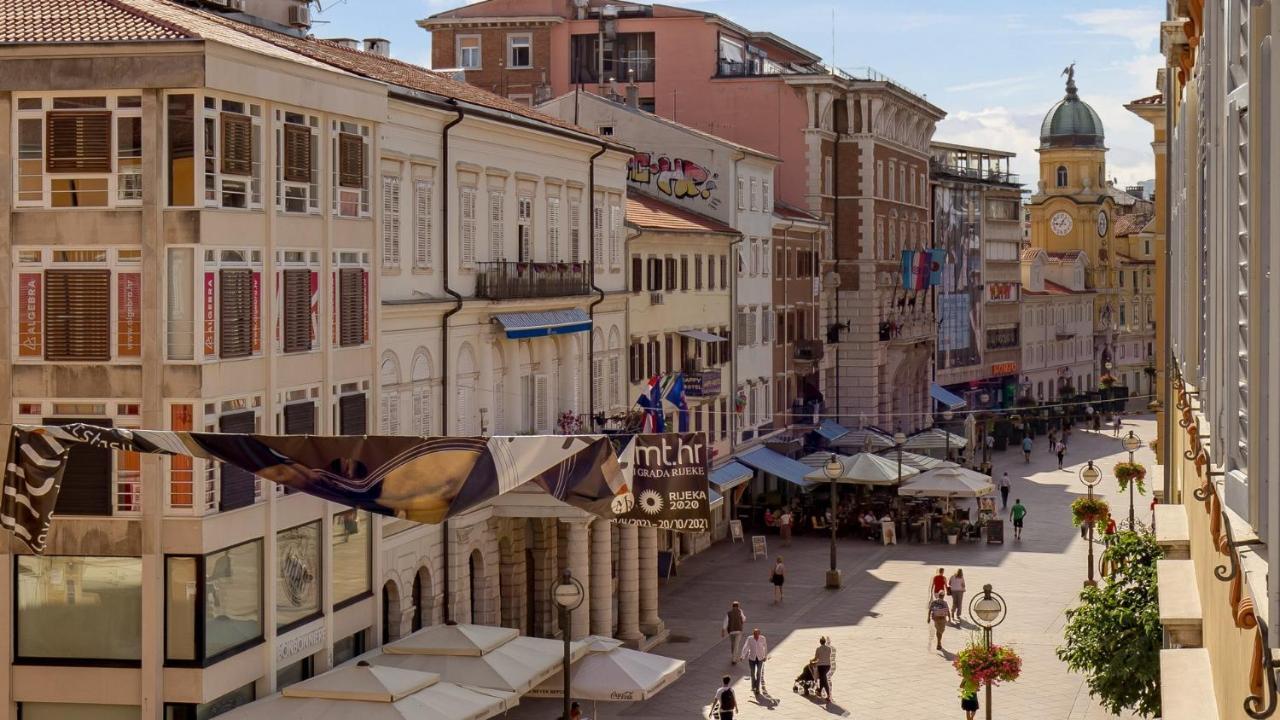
<point x="1072" y="210"/>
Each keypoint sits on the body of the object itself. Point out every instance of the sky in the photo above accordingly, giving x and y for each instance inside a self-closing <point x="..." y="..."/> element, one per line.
<point x="993" y="65"/>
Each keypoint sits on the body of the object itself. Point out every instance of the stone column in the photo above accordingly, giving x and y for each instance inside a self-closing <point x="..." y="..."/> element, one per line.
<point x="601" y="578"/>
<point x="650" y="623"/>
<point x="629" y="585"/>
<point x="578" y="558"/>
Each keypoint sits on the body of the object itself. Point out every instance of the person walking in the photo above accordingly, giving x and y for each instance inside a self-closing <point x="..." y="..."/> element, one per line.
<point x="733" y="624"/>
<point x="777" y="577"/>
<point x="1119" y="424"/>
<point x="1053" y="440"/>
<point x="756" y="650"/>
<point x="1026" y="448"/>
<point x="822" y="660"/>
<point x="956" y="587"/>
<point x="969" y="704"/>
<point x="1017" y="513"/>
<point x="939" y="583"/>
<point x="938" y="615"/>
<point x="725" y="705"/>
<point x="1060" y="449"/>
<point x="784" y="527"/>
<point x="1004" y="489"/>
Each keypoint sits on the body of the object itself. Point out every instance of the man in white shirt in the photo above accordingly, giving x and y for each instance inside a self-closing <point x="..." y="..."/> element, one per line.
<point x="756" y="650"/>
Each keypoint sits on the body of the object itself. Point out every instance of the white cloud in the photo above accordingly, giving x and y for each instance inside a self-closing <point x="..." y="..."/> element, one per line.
<point x="1141" y="26"/>
<point x="987" y="84"/>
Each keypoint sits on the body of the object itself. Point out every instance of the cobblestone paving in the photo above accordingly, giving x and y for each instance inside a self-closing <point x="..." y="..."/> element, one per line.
<point x="886" y="664"/>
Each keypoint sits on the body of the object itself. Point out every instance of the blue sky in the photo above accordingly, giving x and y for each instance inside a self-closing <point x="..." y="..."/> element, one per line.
<point x="993" y="65"/>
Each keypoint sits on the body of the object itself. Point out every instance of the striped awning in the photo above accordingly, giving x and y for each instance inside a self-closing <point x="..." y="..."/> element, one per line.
<point x="541" y="324"/>
<point x="777" y="464"/>
<point x="949" y="399"/>
<point x="730" y="475"/>
<point x="715" y="497"/>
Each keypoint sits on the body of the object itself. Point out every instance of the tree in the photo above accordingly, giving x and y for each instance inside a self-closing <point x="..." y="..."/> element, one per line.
<point x="1114" y="636"/>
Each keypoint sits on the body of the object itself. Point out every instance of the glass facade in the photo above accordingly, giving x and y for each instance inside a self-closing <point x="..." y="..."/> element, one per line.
<point x="233" y="597"/>
<point x="240" y="696"/>
<point x="298" y="574"/>
<point x="181" y="597"/>
<point x="351" y="555"/>
<point x="348" y="648"/>
<point x="58" y="597"/>
<point x="294" y="673"/>
<point x="77" y="711"/>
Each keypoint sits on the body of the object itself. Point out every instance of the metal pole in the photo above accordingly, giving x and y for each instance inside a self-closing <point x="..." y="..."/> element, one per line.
<point x="1132" y="482"/>
<point x="1091" y="582"/>
<point x="565" y="622"/>
<point x="987" y="636"/>
<point x="833" y="527"/>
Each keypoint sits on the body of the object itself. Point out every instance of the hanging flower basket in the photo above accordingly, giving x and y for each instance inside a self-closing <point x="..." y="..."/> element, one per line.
<point x="979" y="665"/>
<point x="1106" y="381"/>
<point x="1131" y="472"/>
<point x="1089" y="511"/>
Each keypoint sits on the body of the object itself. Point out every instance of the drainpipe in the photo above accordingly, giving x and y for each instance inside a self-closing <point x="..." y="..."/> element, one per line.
<point x="1166" y="452"/>
<point x="591" y="309"/>
<point x="444" y="338"/>
<point x="733" y="316"/>
<point x="835" y="244"/>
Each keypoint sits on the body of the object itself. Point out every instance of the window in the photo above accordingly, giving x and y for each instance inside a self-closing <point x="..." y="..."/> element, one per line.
<point x="828" y="175"/>
<point x="535" y="389"/>
<point x="519" y="51"/>
<point x="237" y="308"/>
<point x="605" y="130"/>
<point x="58" y="597"/>
<point x="225" y="589"/>
<point x="670" y="265"/>
<point x="348" y="648"/>
<point x="575" y="230"/>
<point x="742" y="194"/>
<point x="180" y="131"/>
<point x="351" y="556"/>
<point x="78" y="151"/>
<point x="524" y="228"/>
<point x="295" y="672"/>
<point x="467" y="222"/>
<point x="390" y="221"/>
<point x="615" y="232"/>
<point x="350" y="169"/>
<point x="298" y="575"/>
<point x="299" y="295"/>
<point x="637" y="273"/>
<point x="78" y="305"/>
<point x="755" y="196"/>
<point x="232" y="132"/>
<point x="626" y="57"/>
<point x="766" y="193"/>
<point x="297" y="172"/>
<point x="724" y="272"/>
<point x="423" y="223"/>
<point x="684" y="273"/>
<point x="553" y="230"/>
<point x="497" y="226"/>
<point x="76" y="711"/>
<point x="468" y="52"/>
<point x="697" y="272"/>
<point x="353" y="299"/>
<point x="1062" y="176"/>
<point x="225" y="703"/>
<point x="893" y="175"/>
<point x="711" y="271"/>
<point x="879" y="178"/>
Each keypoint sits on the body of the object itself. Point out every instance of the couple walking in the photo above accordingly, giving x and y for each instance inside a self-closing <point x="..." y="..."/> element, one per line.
<point x="755" y="650"/>
<point x="939" y="613"/>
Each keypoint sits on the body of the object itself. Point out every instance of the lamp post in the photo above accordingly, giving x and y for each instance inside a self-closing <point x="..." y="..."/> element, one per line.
<point x="987" y="611"/>
<point x="1131" y="443"/>
<point x="898" y="439"/>
<point x="833" y="469"/>
<point x="1090" y="476"/>
<point x="985" y="398"/>
<point x="568" y="595"/>
<point x="947" y="414"/>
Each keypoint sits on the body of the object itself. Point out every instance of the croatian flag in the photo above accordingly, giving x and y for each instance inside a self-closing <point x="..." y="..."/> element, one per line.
<point x="655" y="404"/>
<point x="647" y="425"/>
<point x="675" y="396"/>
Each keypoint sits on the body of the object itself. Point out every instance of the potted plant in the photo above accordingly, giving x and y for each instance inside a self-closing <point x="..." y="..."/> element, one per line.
<point x="951" y="529"/>
<point x="980" y="665"/>
<point x="1106" y="381"/>
<point x="1127" y="472"/>
<point x="1090" y="511"/>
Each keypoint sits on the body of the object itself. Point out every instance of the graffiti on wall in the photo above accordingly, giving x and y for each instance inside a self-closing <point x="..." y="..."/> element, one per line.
<point x="673" y="177"/>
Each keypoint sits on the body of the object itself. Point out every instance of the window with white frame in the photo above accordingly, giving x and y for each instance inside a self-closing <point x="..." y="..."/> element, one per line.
<point x="755" y="196"/>
<point x="742" y="194"/>
<point x="297" y="294"/>
<point x="766" y="195"/>
<point x="468" y="47"/>
<point x="349" y="284"/>
<point x="423" y="222"/>
<point x="297" y="162"/>
<point x="230" y="301"/>
<point x="232" y="138"/>
<point x="350" y="168"/>
<point x="597" y="232"/>
<point x="497" y="225"/>
<point x="575" y="229"/>
<point x="467" y="225"/>
<point x="390" y="221"/>
<point x="519" y="51"/>
<point x="78" y="151"/>
<point x="553" y="229"/>
<point x="616" y="218"/>
<point x="77" y="305"/>
<point x="96" y="482"/>
<point x="524" y="228"/>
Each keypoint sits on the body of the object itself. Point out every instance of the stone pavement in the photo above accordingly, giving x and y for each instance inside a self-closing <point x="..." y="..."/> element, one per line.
<point x="886" y="664"/>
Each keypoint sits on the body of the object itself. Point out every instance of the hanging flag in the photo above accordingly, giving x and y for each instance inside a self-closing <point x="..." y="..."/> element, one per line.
<point x="675" y="396"/>
<point x="655" y="403"/>
<point x="647" y="424"/>
<point x="908" y="269"/>
<point x="939" y="258"/>
<point x="924" y="261"/>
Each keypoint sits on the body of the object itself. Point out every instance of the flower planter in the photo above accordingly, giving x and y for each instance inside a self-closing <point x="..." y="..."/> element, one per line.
<point x="979" y="665"/>
<point x="951" y="539"/>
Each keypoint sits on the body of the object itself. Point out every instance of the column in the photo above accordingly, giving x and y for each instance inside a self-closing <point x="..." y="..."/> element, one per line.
<point x="578" y="557"/>
<point x="650" y="623"/>
<point x="629" y="585"/>
<point x="601" y="578"/>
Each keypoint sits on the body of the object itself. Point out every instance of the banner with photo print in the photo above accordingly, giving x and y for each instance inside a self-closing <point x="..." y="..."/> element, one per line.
<point x="669" y="482"/>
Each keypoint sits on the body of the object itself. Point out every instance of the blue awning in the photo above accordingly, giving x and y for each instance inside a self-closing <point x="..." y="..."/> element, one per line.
<point x="730" y="475"/>
<point x="832" y="430"/>
<point x="541" y="324"/>
<point x="946" y="397"/>
<point x="715" y="497"/>
<point x="777" y="464"/>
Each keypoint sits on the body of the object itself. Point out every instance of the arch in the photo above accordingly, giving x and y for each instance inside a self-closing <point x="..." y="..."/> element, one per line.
<point x="423" y="600"/>
<point x="466" y="359"/>
<point x="391" y="611"/>
<point x="597" y="340"/>
<point x="389" y="369"/>
<point x="615" y="338"/>
<point x="420" y="370"/>
<point x="476" y="586"/>
<point x="421" y="407"/>
<point x="1062" y="176"/>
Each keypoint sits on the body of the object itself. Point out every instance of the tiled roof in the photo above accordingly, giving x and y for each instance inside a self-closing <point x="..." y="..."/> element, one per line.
<point x="1133" y="260"/>
<point x="790" y="212"/>
<point x="653" y="214"/>
<point x="1157" y="99"/>
<point x="1068" y="255"/>
<point x="1129" y="224"/>
<point x="1030" y="253"/>
<point x="71" y="21"/>
<point x="1053" y="288"/>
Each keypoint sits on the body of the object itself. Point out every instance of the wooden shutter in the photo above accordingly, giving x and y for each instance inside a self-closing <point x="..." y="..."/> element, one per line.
<point x="352" y="412"/>
<point x="553" y="229"/>
<point x="468" y="202"/>
<point x="390" y="410"/>
<point x="637" y="273"/>
<point x="423" y="222"/>
<point x="86" y="481"/>
<point x="390" y="221"/>
<point x="77" y="315"/>
<point x="300" y="418"/>
<point x="541" y="404"/>
<point x="297" y="153"/>
<point x="236" y="489"/>
<point x="614" y="370"/>
<point x="297" y="310"/>
<point x="422" y="409"/>
<point x="78" y="141"/>
<point x="350" y="307"/>
<point x="497" y="231"/>
<point x="237" y="144"/>
<point x="350" y="160"/>
<point x="597" y="234"/>
<point x="235" y="313"/>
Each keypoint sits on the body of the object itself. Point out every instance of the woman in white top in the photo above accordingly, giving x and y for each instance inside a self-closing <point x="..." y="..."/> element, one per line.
<point x="956" y="586"/>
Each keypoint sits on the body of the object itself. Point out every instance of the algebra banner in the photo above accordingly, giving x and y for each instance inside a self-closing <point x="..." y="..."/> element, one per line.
<point x="669" y="472"/>
<point x="424" y="479"/>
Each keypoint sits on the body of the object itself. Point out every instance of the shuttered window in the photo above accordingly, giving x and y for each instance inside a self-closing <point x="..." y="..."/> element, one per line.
<point x="637" y="273"/>
<point x="390" y="221"/>
<point x="351" y="312"/>
<point x="352" y="412"/>
<point x="237" y="144"/>
<point x="597" y="233"/>
<point x="467" y="199"/>
<point x="497" y="228"/>
<point x="236" y="486"/>
<point x="77" y="315"/>
<point x="350" y="160"/>
<point x="235" y="313"/>
<point x="300" y="418"/>
<point x="553" y="229"/>
<point x="86" y="481"/>
<point x="423" y="223"/>
<point x="78" y="141"/>
<point x="297" y="153"/>
<point x="297" y="310"/>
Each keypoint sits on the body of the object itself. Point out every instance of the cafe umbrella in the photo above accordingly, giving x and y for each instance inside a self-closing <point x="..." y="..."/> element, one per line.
<point x="613" y="673"/>
<point x="859" y="469"/>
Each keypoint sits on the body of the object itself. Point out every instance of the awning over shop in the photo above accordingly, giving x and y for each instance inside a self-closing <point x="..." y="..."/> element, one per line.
<point x="541" y="324"/>
<point x="730" y="475"/>
<point x="832" y="430"/>
<point x="777" y="464"/>
<point x="946" y="397"/>
<point x="701" y="335"/>
<point x="716" y="498"/>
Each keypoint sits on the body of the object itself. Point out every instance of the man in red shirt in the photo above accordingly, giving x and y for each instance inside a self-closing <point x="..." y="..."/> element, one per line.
<point x="939" y="582"/>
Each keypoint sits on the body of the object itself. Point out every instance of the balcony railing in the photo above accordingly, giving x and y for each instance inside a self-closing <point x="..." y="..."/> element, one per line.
<point x="513" y="280"/>
<point x="808" y="351"/>
<point x="973" y="173"/>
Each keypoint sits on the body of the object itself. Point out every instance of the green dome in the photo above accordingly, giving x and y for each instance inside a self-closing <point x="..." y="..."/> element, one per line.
<point x="1071" y="123"/>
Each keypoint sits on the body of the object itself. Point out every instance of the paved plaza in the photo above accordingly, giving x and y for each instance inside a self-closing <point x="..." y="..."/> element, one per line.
<point x="886" y="664"/>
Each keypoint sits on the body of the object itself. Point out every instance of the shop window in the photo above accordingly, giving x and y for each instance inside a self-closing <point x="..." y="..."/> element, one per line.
<point x="58" y="597"/>
<point x="351" y="558"/>
<point x="298" y="576"/>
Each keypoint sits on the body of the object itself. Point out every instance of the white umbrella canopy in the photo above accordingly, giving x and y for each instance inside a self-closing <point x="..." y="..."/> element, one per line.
<point x="860" y="469"/>
<point x="514" y="666"/>
<point x="948" y="482"/>
<point x="934" y="439"/>
<point x="916" y="460"/>
<point x="472" y="640"/>
<point x="611" y="672"/>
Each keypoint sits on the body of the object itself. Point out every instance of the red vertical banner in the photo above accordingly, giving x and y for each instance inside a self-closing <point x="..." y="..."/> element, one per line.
<point x="364" y="280"/>
<point x="315" y="306"/>
<point x="129" y="314"/>
<point x="255" y="312"/>
<point x="30" y="315"/>
<point x="210" y="324"/>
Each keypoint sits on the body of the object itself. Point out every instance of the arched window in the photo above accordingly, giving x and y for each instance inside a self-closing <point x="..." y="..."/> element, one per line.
<point x="1062" y="176"/>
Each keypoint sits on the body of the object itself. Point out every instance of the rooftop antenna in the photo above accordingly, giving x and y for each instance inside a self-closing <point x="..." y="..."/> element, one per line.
<point x="833" y="41"/>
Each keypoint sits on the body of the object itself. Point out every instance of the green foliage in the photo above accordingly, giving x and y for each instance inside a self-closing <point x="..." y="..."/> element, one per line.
<point x="1089" y="509"/>
<point x="1127" y="472"/>
<point x="1114" y="636"/>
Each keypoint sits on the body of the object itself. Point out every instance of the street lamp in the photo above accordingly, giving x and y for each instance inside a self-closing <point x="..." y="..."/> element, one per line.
<point x="1131" y="443"/>
<point x="987" y="611"/>
<point x="833" y="470"/>
<point x="1090" y="476"/>
<point x="568" y="595"/>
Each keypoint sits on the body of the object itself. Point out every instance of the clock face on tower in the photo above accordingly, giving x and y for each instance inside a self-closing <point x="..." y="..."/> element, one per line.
<point x="1102" y="223"/>
<point x="1060" y="223"/>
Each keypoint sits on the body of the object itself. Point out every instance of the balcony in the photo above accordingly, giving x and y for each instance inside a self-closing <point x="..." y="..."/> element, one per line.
<point x="973" y="173"/>
<point x="702" y="383"/>
<point x="807" y="351"/>
<point x="517" y="280"/>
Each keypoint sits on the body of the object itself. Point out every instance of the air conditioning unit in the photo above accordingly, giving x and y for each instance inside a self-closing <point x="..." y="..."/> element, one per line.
<point x="656" y="298"/>
<point x="237" y="5"/>
<point x="300" y="16"/>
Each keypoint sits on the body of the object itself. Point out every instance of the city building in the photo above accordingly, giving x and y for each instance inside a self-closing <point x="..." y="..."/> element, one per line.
<point x="364" y="246"/>
<point x="1219" y="600"/>
<point x="977" y="222"/>
<point x="1135" y="357"/>
<point x="1057" y="325"/>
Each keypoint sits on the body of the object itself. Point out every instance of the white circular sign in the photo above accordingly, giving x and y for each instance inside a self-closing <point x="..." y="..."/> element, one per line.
<point x="568" y="595"/>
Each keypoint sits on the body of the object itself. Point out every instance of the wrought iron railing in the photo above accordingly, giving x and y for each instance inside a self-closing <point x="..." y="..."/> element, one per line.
<point x="514" y="280"/>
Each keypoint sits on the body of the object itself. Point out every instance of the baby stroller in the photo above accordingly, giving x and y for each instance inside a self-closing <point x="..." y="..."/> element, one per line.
<point x="807" y="682"/>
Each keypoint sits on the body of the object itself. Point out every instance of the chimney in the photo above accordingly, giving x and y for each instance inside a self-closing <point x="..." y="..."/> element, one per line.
<point x="633" y="96"/>
<point x="378" y="46"/>
<point x="349" y="43"/>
